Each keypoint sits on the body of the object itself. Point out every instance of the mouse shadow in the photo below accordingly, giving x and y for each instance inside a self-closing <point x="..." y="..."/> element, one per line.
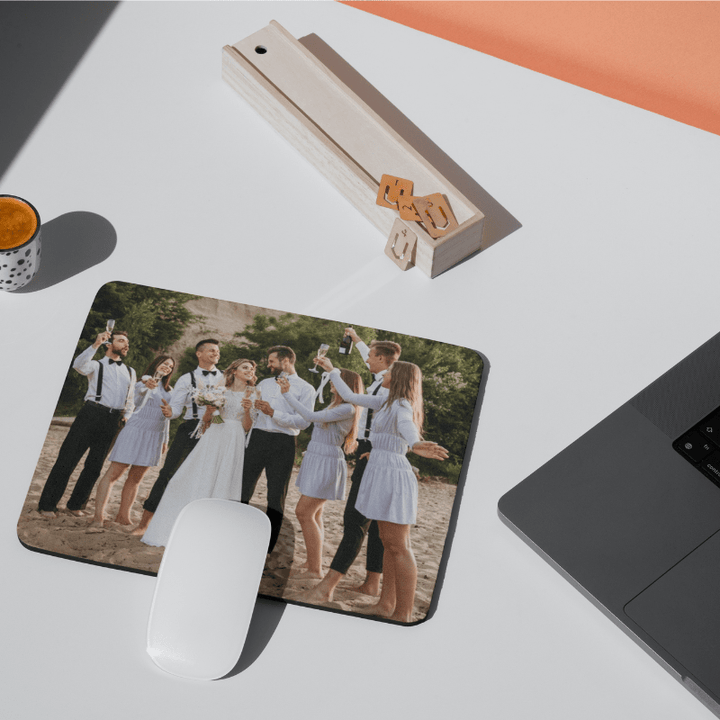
<point x="499" y="223"/>
<point x="71" y="243"/>
<point x="268" y="610"/>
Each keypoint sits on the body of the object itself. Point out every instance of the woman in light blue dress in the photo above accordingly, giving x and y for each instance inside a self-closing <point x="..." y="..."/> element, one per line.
<point x="140" y="444"/>
<point x="388" y="492"/>
<point x="323" y="473"/>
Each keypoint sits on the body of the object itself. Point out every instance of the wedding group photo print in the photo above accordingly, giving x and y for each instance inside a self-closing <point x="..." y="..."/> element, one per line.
<point x="352" y="440"/>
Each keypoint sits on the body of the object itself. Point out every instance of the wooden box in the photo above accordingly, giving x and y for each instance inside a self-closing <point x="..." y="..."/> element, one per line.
<point x="344" y="139"/>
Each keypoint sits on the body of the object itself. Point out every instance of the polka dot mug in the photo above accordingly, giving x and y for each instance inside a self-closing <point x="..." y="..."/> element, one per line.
<point x="19" y="242"/>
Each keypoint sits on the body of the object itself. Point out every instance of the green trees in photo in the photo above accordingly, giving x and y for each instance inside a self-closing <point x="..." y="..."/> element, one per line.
<point x="154" y="319"/>
<point x="451" y="375"/>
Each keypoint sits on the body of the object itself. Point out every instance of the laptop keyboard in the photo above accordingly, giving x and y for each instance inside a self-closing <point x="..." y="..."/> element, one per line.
<point x="701" y="446"/>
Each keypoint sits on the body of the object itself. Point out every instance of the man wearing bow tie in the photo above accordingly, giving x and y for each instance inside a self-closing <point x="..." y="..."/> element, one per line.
<point x="108" y="404"/>
<point x="204" y="375"/>
<point x="378" y="357"/>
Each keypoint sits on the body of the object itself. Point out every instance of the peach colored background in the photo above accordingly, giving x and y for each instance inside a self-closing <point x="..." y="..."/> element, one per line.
<point x="661" y="56"/>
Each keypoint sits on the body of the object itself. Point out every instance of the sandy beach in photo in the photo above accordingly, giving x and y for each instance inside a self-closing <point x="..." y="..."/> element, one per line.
<point x="66" y="534"/>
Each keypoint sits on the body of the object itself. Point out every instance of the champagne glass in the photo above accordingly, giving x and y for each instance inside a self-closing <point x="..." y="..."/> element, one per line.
<point x="109" y="328"/>
<point x="321" y="353"/>
<point x="253" y="394"/>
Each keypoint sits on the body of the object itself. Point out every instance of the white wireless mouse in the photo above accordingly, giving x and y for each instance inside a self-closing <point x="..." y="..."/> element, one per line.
<point x="206" y="588"/>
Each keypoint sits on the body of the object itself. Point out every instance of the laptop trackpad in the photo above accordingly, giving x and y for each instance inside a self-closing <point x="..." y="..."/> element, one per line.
<point x="681" y="612"/>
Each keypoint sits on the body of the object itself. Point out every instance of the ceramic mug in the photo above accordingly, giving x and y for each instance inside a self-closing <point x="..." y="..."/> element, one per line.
<point x="19" y="242"/>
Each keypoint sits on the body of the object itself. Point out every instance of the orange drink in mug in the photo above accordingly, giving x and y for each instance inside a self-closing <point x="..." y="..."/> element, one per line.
<point x="19" y="242"/>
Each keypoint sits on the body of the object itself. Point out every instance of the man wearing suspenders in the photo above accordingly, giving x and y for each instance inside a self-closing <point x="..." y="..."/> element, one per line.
<point x="378" y="357"/>
<point x="208" y="353"/>
<point x="109" y="402"/>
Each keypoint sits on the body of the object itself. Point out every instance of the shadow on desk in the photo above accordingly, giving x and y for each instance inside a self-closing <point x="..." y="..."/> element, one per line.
<point x="40" y="46"/>
<point x="71" y="244"/>
<point x="265" y="619"/>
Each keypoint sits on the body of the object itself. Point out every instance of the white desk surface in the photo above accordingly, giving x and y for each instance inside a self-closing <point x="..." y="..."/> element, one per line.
<point x="611" y="280"/>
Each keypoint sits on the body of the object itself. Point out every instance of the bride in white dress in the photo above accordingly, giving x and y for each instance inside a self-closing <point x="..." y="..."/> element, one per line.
<point x="215" y="467"/>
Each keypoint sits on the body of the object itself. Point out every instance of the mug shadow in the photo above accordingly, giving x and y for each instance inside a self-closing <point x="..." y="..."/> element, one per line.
<point x="71" y="244"/>
<point x="499" y="223"/>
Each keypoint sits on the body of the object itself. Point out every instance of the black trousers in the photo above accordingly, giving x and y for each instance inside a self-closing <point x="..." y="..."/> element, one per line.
<point x="182" y="446"/>
<point x="93" y="429"/>
<point x="356" y="525"/>
<point x="275" y="454"/>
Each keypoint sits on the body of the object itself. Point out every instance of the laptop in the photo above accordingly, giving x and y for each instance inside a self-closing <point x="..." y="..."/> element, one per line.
<point x="630" y="514"/>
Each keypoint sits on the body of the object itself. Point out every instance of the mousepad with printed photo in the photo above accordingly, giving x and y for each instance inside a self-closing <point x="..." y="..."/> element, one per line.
<point x="112" y="443"/>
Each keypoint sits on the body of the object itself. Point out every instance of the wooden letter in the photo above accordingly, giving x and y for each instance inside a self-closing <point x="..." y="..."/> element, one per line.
<point x="436" y="214"/>
<point x="391" y="188"/>
<point x="407" y="209"/>
<point x="401" y="245"/>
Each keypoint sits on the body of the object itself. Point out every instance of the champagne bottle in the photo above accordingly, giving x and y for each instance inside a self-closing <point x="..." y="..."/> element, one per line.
<point x="346" y="345"/>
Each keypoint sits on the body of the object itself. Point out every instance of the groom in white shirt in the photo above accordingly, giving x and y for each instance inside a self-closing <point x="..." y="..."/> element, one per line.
<point x="273" y="438"/>
<point x="208" y="353"/>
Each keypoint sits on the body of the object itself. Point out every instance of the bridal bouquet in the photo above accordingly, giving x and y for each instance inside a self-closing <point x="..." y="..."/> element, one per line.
<point x="213" y="396"/>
